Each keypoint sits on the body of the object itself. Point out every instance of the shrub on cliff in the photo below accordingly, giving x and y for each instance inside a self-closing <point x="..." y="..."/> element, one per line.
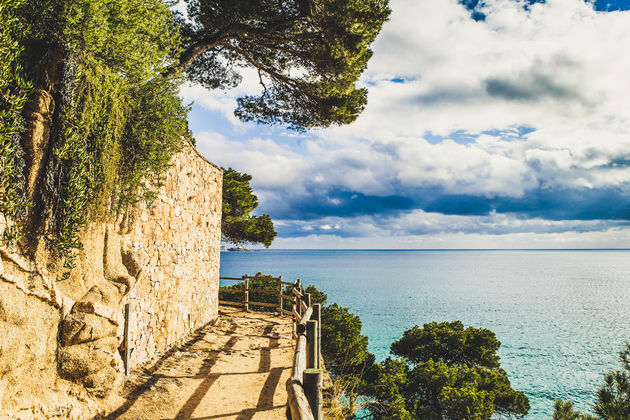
<point x="15" y="89"/>
<point x="116" y="121"/>
<point x="613" y="396"/>
<point x="443" y="372"/>
<point x="344" y="348"/>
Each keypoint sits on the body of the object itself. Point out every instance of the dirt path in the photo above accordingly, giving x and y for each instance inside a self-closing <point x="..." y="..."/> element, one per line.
<point x="236" y="369"/>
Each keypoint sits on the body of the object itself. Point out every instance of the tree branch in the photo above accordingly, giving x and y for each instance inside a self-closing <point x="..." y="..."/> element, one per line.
<point x="278" y="77"/>
<point x="193" y="52"/>
<point x="190" y="55"/>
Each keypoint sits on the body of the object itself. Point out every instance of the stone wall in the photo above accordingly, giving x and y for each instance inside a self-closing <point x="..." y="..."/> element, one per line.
<point x="177" y="244"/>
<point x="63" y="347"/>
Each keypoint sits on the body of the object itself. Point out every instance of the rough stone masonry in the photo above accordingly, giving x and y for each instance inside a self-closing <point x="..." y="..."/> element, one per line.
<point x="63" y="340"/>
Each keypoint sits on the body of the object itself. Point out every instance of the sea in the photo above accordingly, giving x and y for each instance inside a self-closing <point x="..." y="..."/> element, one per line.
<point x="562" y="316"/>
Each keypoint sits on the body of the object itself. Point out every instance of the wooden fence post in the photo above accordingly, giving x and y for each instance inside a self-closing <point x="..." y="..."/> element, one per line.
<point x="246" y="294"/>
<point x="317" y="316"/>
<point x="313" y="391"/>
<point x="280" y="308"/>
<point x="126" y="339"/>
<point x="307" y="299"/>
<point x="298" y="286"/>
<point x="311" y="344"/>
<point x="294" y="323"/>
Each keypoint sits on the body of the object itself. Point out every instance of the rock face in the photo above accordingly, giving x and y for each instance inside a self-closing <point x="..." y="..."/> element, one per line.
<point x="38" y="119"/>
<point x="140" y="284"/>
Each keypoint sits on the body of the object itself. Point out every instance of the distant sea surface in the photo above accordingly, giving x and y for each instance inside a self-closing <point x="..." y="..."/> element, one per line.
<point x="561" y="316"/>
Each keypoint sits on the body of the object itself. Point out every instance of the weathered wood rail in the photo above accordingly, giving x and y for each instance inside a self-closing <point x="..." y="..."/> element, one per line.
<point x="246" y="290"/>
<point x="304" y="387"/>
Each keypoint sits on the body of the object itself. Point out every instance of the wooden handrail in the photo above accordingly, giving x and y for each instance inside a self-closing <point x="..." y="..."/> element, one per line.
<point x="299" y="406"/>
<point x="247" y="290"/>
<point x="301" y="326"/>
<point x="303" y="306"/>
<point x="299" y="361"/>
<point x="304" y="387"/>
<point x="268" y="305"/>
<point x="263" y="291"/>
<point x="227" y="302"/>
<point x="305" y="390"/>
<point x="253" y="278"/>
<point x="285" y="312"/>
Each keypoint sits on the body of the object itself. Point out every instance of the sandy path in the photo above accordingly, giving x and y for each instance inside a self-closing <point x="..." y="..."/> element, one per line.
<point x="235" y="369"/>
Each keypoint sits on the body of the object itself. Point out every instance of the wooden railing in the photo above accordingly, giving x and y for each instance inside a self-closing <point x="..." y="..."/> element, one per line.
<point x="304" y="387"/>
<point x="247" y="290"/>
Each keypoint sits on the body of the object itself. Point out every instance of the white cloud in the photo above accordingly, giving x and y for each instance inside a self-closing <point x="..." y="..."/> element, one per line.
<point x="609" y="238"/>
<point x="559" y="68"/>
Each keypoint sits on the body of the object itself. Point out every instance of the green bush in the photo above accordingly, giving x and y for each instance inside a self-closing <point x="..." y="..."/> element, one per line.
<point x="445" y="371"/>
<point x="613" y="396"/>
<point x="344" y="348"/>
<point x="15" y="88"/>
<point x="118" y="121"/>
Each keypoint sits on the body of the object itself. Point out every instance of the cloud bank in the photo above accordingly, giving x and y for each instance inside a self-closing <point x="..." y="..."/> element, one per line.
<point x="485" y="119"/>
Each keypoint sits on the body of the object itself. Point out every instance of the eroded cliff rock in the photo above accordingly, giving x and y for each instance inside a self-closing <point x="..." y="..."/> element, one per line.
<point x="66" y="344"/>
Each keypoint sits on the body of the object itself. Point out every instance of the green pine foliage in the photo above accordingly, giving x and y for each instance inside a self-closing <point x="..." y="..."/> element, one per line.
<point x="317" y="296"/>
<point x="308" y="54"/>
<point x="344" y="348"/>
<point x="613" y="396"/>
<point x="152" y="136"/>
<point x="444" y="372"/>
<point x="237" y="224"/>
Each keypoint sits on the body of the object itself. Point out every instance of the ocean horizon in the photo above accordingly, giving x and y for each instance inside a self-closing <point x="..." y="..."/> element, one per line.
<point x="426" y="249"/>
<point x="560" y="314"/>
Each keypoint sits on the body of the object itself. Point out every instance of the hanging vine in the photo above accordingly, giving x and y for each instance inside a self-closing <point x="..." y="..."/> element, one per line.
<point x="15" y="89"/>
<point x="118" y="120"/>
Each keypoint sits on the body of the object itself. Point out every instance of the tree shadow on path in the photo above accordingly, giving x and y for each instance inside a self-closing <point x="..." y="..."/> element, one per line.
<point x="140" y="389"/>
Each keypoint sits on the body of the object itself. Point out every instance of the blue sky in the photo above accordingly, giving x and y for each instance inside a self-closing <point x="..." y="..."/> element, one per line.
<point x="490" y="124"/>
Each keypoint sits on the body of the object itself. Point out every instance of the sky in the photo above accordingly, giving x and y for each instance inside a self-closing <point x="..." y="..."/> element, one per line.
<point x="489" y="124"/>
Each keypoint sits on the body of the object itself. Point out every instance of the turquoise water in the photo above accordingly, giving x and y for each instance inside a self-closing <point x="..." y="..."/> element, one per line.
<point x="561" y="316"/>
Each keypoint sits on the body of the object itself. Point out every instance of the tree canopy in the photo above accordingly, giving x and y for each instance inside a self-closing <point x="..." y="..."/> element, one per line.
<point x="117" y="120"/>
<point x="343" y="346"/>
<point x="613" y="396"/>
<point x="445" y="372"/>
<point x="449" y="342"/>
<point x="308" y="55"/>
<point x="237" y="224"/>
